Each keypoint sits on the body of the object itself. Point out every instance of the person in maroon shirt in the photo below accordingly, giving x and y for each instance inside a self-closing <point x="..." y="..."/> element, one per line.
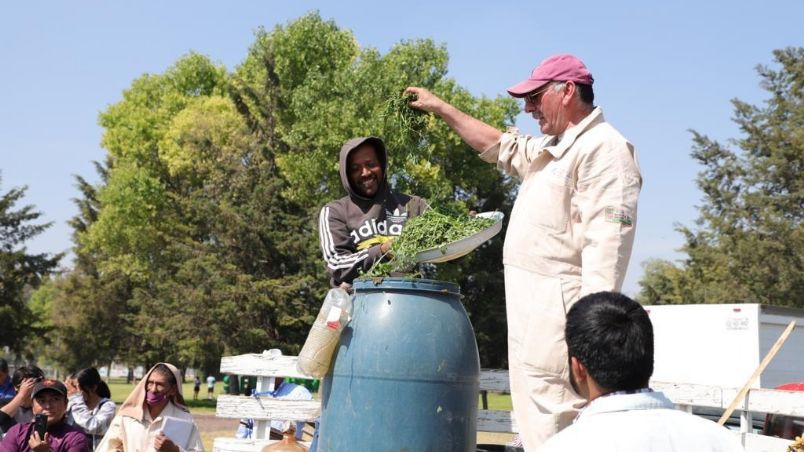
<point x="50" y="399"/>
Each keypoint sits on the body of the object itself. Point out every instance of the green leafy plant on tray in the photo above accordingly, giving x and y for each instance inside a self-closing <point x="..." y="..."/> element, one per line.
<point x="435" y="228"/>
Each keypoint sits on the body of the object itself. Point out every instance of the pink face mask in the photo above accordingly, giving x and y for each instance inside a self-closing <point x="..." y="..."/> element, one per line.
<point x="154" y="398"/>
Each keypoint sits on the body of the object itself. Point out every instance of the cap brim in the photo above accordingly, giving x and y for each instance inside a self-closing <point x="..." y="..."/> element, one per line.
<point x="526" y="86"/>
<point x="49" y="389"/>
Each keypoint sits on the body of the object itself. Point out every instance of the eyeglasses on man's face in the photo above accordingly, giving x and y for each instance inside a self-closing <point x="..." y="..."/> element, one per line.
<point x="535" y="97"/>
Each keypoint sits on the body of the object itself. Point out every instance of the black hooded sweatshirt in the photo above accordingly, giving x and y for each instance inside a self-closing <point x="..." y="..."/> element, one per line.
<point x="353" y="228"/>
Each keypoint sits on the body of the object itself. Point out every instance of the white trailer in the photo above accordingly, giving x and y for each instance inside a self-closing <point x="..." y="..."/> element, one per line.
<point x="723" y="344"/>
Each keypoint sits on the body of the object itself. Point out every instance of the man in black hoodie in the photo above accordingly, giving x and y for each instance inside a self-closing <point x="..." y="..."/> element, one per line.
<point x="357" y="230"/>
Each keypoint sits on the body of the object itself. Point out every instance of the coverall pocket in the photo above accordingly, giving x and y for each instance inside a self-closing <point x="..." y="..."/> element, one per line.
<point x="550" y="208"/>
<point x="544" y="348"/>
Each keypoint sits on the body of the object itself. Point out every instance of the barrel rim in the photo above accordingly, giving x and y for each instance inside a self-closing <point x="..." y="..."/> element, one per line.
<point x="432" y="285"/>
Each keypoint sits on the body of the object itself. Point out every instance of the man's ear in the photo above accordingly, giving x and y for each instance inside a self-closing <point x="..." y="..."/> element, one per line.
<point x="578" y="370"/>
<point x="568" y="92"/>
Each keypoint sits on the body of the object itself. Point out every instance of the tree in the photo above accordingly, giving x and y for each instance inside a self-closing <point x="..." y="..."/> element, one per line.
<point x="20" y="272"/>
<point x="191" y="215"/>
<point x="748" y="243"/>
<point x="237" y="281"/>
<point x="137" y="220"/>
<point x="76" y="316"/>
<point x="660" y="283"/>
<point x="84" y="312"/>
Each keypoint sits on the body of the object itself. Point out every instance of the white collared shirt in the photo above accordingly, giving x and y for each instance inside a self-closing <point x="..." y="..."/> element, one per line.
<point x="641" y="422"/>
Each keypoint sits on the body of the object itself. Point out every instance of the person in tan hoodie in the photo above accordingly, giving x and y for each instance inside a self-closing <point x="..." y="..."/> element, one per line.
<point x="141" y="425"/>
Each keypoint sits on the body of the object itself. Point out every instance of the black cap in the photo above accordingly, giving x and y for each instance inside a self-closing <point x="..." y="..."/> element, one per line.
<point x="48" y="384"/>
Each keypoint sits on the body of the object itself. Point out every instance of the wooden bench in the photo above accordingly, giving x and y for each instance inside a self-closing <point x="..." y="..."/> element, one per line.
<point x="685" y="396"/>
<point x="266" y="368"/>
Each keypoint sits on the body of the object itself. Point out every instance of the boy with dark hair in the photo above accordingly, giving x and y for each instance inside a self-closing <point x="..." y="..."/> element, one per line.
<point x="613" y="337"/>
<point x="18" y="410"/>
<point x="610" y="342"/>
<point x="50" y="399"/>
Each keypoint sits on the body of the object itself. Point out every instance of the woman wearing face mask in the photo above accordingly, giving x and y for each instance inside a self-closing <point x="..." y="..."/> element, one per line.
<point x="90" y="406"/>
<point x="154" y="417"/>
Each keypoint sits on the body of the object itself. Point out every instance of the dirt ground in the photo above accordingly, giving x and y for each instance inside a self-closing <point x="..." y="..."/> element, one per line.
<point x="211" y="427"/>
<point x="208" y="422"/>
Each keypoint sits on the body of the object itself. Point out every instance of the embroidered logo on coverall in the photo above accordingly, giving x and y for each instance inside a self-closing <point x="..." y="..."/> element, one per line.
<point x="615" y="215"/>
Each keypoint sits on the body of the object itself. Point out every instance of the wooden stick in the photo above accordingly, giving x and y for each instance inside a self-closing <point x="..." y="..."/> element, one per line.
<point x="768" y="357"/>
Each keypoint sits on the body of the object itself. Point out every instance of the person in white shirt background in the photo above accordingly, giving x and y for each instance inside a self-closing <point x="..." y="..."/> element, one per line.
<point x="210" y="387"/>
<point x="610" y="344"/>
<point x="90" y="405"/>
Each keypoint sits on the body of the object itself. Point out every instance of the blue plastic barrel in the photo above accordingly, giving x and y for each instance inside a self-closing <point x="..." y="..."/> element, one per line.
<point x="405" y="374"/>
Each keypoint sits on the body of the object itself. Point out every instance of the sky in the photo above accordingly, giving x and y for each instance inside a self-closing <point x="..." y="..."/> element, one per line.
<point x="661" y="69"/>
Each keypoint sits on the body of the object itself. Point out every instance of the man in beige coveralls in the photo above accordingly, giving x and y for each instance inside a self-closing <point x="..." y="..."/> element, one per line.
<point x="571" y="228"/>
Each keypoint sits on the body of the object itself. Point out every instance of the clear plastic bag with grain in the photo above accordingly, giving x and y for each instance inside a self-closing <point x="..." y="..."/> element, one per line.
<point x="316" y="354"/>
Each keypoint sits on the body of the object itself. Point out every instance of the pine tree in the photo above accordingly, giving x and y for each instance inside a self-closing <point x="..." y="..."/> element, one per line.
<point x="748" y="240"/>
<point x="20" y="271"/>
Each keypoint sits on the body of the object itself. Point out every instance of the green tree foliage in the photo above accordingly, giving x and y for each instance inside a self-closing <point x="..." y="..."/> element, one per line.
<point x="85" y="307"/>
<point x="660" y="283"/>
<point x="202" y="234"/>
<point x="85" y="313"/>
<point x="20" y="272"/>
<point x="193" y="218"/>
<point x="748" y="241"/>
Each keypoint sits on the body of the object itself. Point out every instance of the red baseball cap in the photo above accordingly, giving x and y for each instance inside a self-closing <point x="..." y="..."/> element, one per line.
<point x="561" y="68"/>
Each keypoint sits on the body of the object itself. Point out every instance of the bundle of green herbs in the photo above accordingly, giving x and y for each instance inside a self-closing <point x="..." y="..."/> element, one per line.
<point x="405" y="126"/>
<point x="435" y="228"/>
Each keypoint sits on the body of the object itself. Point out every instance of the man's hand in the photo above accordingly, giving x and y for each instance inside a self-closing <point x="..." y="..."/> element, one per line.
<point x="386" y="245"/>
<point x="425" y="100"/>
<point x="476" y="133"/>
<point x="26" y="388"/>
<point x="346" y="286"/>
<point x="23" y="396"/>
<point x="115" y="445"/>
<point x="163" y="444"/>
<point x="38" y="444"/>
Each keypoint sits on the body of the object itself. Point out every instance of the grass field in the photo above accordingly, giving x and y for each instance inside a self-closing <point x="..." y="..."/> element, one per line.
<point x="120" y="390"/>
